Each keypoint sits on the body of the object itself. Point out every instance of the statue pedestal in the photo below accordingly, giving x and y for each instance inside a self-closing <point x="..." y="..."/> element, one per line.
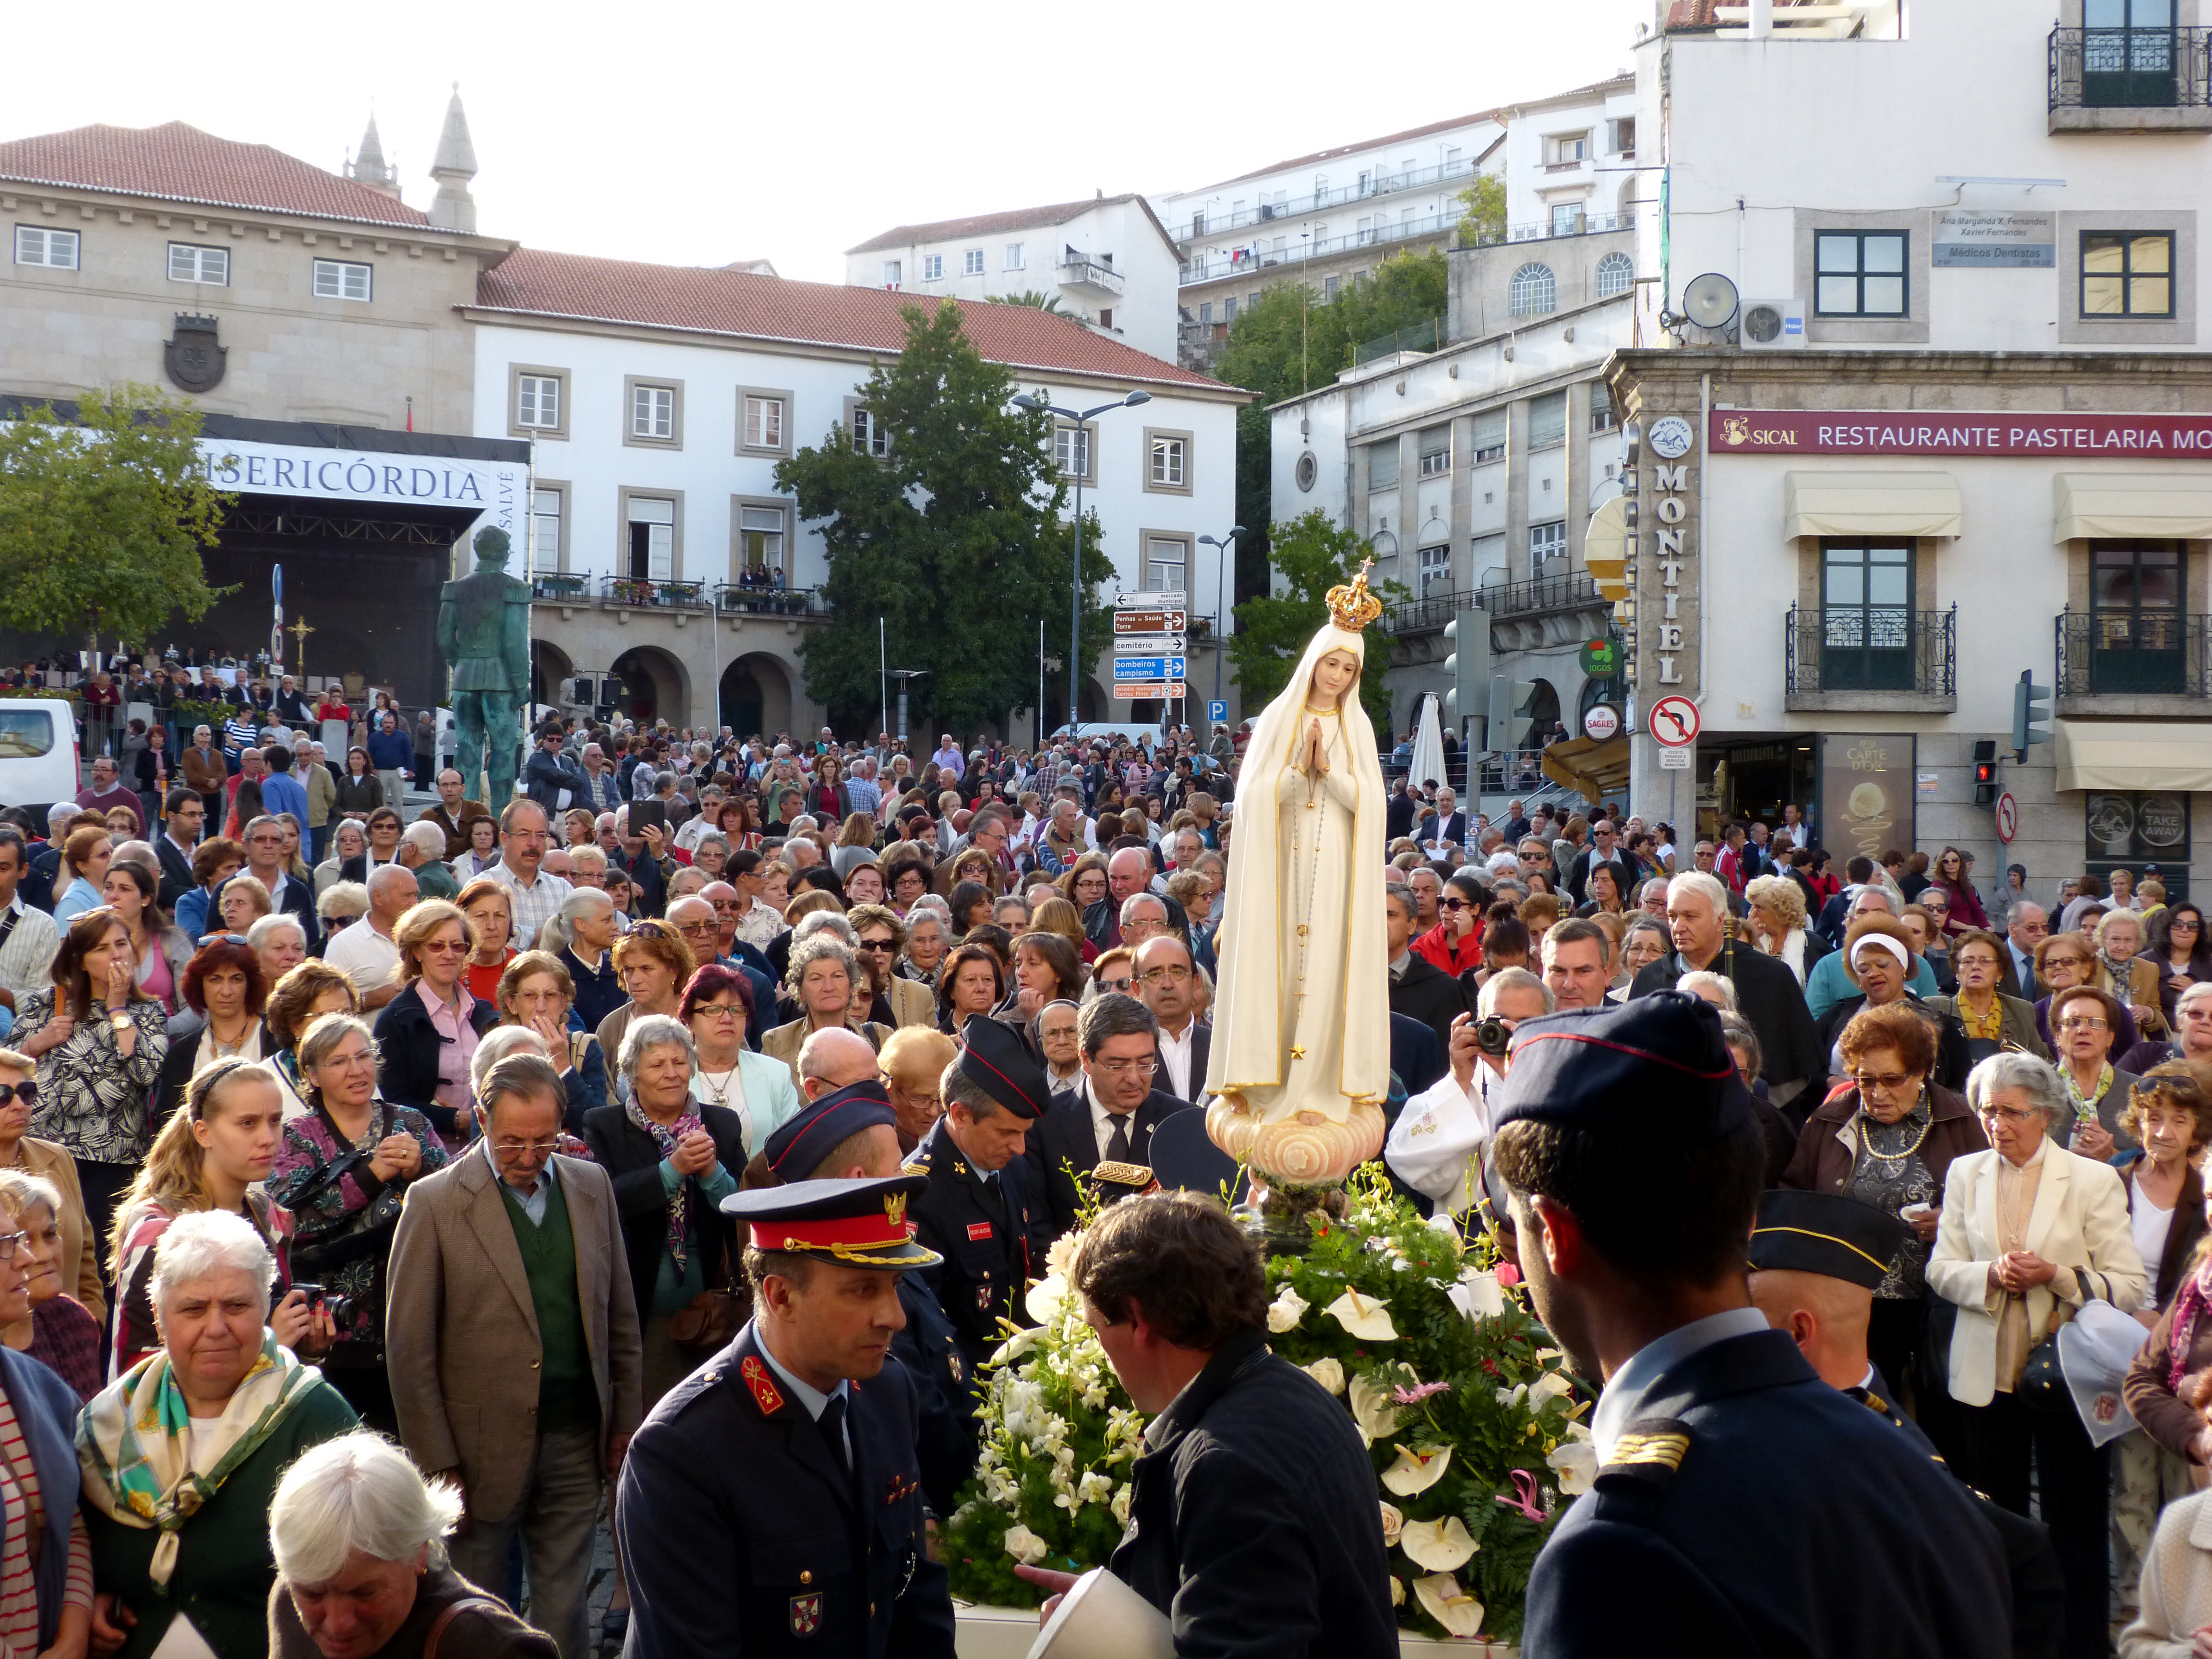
<point x="1301" y="1157"/>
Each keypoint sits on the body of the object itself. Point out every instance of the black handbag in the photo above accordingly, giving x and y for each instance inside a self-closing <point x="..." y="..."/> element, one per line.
<point x="2042" y="1385"/>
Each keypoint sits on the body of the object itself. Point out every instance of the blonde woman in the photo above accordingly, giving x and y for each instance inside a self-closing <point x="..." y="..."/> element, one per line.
<point x="1778" y="923"/>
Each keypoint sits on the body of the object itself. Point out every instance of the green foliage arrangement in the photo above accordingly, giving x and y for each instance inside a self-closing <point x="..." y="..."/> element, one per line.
<point x="1470" y="1418"/>
<point x="1312" y="554"/>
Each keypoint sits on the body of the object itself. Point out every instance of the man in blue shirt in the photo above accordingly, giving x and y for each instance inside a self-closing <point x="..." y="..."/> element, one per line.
<point x="281" y="790"/>
<point x="391" y="756"/>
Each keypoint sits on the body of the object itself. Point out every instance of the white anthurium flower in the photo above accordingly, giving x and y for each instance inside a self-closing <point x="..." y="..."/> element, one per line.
<point x="1444" y="1601"/>
<point x="1372" y="1410"/>
<point x="1394" y="1523"/>
<point x="1014" y="1347"/>
<point x="1550" y="1386"/>
<point x="1440" y="1545"/>
<point x="1479" y="1296"/>
<point x="1418" y="1469"/>
<point x="1329" y="1373"/>
<point x="1047" y="1298"/>
<point x="1397" y="1591"/>
<point x="1025" y="1546"/>
<point x="1285" y="1311"/>
<point x="1546" y="1356"/>
<point x="1574" y="1459"/>
<point x="1365" y="1316"/>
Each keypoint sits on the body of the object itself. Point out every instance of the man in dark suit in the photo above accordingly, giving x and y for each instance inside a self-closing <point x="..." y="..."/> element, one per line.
<point x="1398" y="812"/>
<point x="1444" y="827"/>
<point x="2027" y="927"/>
<point x="771" y="1504"/>
<point x="1108" y="1118"/>
<point x="1836" y="914"/>
<point x="1418" y="988"/>
<point x="183" y="814"/>
<point x="1167" y="984"/>
<point x="1602" y="849"/>
<point x="979" y="1211"/>
<point x="1716" y="1444"/>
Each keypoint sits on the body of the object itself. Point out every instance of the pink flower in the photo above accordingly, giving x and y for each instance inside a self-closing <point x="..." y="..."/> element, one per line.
<point x="1419" y="1392"/>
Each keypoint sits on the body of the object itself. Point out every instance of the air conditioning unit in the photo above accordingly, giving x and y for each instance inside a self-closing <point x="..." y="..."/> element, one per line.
<point x="1771" y="325"/>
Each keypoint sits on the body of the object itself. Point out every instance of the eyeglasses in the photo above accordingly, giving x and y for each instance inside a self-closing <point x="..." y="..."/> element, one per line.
<point x="722" y="1010"/>
<point x="2183" y="924"/>
<point x="1114" y="984"/>
<point x="445" y="947"/>
<point x="883" y="947"/>
<point x="1452" y="904"/>
<point x="1164" y="976"/>
<point x="1883" y="1081"/>
<point x="517" y="1148"/>
<point x="1128" y="1068"/>
<point x="10" y="1242"/>
<point x="2084" y="1023"/>
<point x="2004" y="1115"/>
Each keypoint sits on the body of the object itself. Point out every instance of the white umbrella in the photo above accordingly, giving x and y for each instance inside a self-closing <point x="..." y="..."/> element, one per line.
<point x="1428" y="746"/>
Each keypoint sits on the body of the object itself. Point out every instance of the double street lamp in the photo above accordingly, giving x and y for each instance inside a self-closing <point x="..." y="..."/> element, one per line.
<point x="1221" y="546"/>
<point x="1082" y="465"/>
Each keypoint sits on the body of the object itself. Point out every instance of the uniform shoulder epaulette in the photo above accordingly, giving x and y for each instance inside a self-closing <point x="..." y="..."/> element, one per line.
<point x="1650" y="1450"/>
<point x="914" y="1166"/>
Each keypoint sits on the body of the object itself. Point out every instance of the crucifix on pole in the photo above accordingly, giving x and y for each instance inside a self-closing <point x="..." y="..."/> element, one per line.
<point x="299" y="631"/>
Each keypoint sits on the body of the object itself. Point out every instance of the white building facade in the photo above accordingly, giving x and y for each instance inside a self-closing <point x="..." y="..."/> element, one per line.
<point x="1108" y="262"/>
<point x="658" y="402"/>
<point x="1946" y="423"/>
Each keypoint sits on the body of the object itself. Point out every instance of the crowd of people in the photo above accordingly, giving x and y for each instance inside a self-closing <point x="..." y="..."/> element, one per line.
<point x="403" y="1163"/>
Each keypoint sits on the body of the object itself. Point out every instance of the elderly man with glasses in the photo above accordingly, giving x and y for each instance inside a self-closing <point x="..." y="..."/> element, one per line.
<point x="1109" y="1118"/>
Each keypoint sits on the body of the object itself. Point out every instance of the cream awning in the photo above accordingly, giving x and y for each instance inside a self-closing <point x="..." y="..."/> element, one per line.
<point x="1605" y="548"/>
<point x="1596" y="770"/>
<point x="2175" y="506"/>
<point x="2133" y="755"/>
<point x="1870" y="504"/>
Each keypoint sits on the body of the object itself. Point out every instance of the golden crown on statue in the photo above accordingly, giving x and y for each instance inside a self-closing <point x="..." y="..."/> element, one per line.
<point x="1353" y="608"/>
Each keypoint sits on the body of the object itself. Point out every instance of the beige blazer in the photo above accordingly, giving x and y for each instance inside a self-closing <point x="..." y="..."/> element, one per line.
<point x="912" y="1002"/>
<point x="461" y="1342"/>
<point x="2080" y="1223"/>
<point x="785" y="1042"/>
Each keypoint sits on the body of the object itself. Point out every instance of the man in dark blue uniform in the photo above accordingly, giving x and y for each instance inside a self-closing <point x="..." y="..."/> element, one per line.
<point x="772" y="1503"/>
<point x="979" y="1213"/>
<point x="1741" y="1505"/>
<point x="851" y="1133"/>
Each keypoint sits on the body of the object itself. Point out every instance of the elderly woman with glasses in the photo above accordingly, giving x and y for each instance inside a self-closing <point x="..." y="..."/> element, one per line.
<point x="342" y="1172"/>
<point x="1879" y="958"/>
<point x="674" y="1160"/>
<point x="1887" y="1137"/>
<point x="537" y="995"/>
<point x="426" y="1034"/>
<point x="825" y="979"/>
<point x="879" y="937"/>
<point x="2096" y="1090"/>
<point x="912" y="1070"/>
<point x="2064" y="961"/>
<point x="1993" y="1021"/>
<point x="2030" y="1233"/>
<point x="718" y="1007"/>
<point x="180" y="1454"/>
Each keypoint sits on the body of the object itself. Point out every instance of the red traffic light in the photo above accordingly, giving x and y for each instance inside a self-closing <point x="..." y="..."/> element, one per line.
<point x="1985" y="771"/>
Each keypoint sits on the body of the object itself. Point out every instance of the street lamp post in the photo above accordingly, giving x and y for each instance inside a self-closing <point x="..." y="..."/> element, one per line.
<point x="1081" y="464"/>
<point x="1221" y="546"/>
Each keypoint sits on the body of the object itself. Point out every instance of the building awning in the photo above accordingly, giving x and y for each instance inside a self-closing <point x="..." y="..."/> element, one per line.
<point x="2170" y="506"/>
<point x="1605" y="548"/>
<point x="2133" y="755"/>
<point x="1595" y="769"/>
<point x="1871" y="504"/>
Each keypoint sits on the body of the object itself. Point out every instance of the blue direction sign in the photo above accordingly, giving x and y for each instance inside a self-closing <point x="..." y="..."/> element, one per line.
<point x="1149" y="668"/>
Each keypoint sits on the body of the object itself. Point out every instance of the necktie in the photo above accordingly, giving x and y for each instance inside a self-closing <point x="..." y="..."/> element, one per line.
<point x="832" y="1425"/>
<point x="1117" y="1139"/>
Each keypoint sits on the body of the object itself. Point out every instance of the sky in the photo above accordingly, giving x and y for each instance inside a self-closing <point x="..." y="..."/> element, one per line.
<point x="698" y="134"/>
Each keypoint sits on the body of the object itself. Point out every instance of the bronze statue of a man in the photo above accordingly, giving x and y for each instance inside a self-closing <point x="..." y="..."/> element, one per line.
<point x="483" y="633"/>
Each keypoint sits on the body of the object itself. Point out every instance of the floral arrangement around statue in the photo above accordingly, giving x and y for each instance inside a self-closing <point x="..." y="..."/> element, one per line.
<point x="1471" y="1420"/>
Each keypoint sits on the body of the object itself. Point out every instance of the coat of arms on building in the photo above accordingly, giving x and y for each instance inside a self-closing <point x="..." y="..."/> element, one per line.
<point x="193" y="357"/>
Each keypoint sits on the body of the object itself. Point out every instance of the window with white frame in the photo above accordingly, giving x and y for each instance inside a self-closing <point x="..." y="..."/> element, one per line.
<point x="537" y="401"/>
<point x="189" y="263"/>
<point x="763" y="423"/>
<point x="341" y="279"/>
<point x="1621" y="136"/>
<point x="545" y="516"/>
<point x="1547" y="420"/>
<point x="1488" y="439"/>
<point x="932" y="267"/>
<point x="869" y="436"/>
<point x="1436" y="571"/>
<point x="1071" y="452"/>
<point x="653" y="413"/>
<point x="1436" y="451"/>
<point x="971" y="262"/>
<point x="1171" y="463"/>
<point x="1616" y="275"/>
<point x="1017" y="257"/>
<point x="1166" y="565"/>
<point x="1534" y="291"/>
<point x="652" y="550"/>
<point x="1546" y="541"/>
<point x="1566" y="218"/>
<point x="894" y="272"/>
<point x="1565" y="148"/>
<point x="35" y="245"/>
<point x="760" y="538"/>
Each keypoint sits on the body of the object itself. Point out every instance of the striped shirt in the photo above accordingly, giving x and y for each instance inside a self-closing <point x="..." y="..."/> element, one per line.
<point x="27" y="953"/>
<point x="533" y="905"/>
<point x="19" y="1551"/>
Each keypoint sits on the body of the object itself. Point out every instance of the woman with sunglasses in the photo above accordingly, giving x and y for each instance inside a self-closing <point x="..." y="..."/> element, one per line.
<point x="78" y="1262"/>
<point x="1455" y="944"/>
<point x="213" y="1155"/>
<point x="427" y="1035"/>
<point x="2177" y="945"/>
<point x="2064" y="961"/>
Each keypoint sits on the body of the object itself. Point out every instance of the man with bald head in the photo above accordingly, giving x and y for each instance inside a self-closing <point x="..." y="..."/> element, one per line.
<point x="1167" y="984"/>
<point x="693" y="917"/>
<point x="367" y="952"/>
<point x="2028" y="926"/>
<point x="1128" y="873"/>
<point x="836" y="1059"/>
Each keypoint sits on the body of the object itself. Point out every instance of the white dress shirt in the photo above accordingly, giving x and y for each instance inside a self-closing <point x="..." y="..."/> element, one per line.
<point x="369" y="958"/>
<point x="27" y="953"/>
<point x="1177" y="1053"/>
<point x="1102" y="1122"/>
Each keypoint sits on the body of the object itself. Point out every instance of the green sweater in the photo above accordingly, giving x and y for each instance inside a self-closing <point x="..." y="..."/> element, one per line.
<point x="568" y="1397"/>
<point x="224" y="1569"/>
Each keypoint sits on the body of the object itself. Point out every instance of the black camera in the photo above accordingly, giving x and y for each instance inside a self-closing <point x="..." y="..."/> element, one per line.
<point x="1493" y="1036"/>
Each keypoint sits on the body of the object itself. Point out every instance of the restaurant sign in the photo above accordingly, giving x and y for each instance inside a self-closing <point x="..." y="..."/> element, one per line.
<point x="1813" y="432"/>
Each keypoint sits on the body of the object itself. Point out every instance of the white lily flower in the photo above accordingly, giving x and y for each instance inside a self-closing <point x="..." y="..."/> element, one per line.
<point x="1365" y="1316"/>
<point x="1046" y="1298"/>
<point x="1551" y="1385"/>
<point x="1121" y="1504"/>
<point x="1329" y="1373"/>
<point x="1025" y="1546"/>
<point x="1440" y="1545"/>
<point x="1285" y="1311"/>
<point x="1418" y="1469"/>
<point x="1394" y="1522"/>
<point x="1397" y="1591"/>
<point x="1014" y="1347"/>
<point x="1574" y="1459"/>
<point x="1459" y="1614"/>
<point x="1372" y="1410"/>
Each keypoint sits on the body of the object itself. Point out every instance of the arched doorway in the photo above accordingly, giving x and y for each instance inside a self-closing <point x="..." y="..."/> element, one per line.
<point x="755" y="697"/>
<point x="655" y="686"/>
<point x="551" y="671"/>
<point x="1543" y="713"/>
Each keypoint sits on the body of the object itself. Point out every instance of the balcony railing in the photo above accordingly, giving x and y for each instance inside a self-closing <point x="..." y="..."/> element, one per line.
<point x="750" y="599"/>
<point x="1376" y="184"/>
<point x="1568" y="591"/>
<point x="1089" y="273"/>
<point x="2130" y="68"/>
<point x="1246" y="261"/>
<point x="1426" y="614"/>
<point x="1876" y="650"/>
<point x="564" y="586"/>
<point x="659" y="594"/>
<point x="2134" y="654"/>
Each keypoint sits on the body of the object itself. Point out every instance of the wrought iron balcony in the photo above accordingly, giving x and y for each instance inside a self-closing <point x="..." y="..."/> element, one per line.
<point x="2130" y="68"/>
<point x="1426" y="614"/>
<point x="565" y="588"/>
<point x="1570" y="591"/>
<point x="1913" y="653"/>
<point x="2132" y="654"/>
<point x="751" y="599"/>
<point x="658" y="593"/>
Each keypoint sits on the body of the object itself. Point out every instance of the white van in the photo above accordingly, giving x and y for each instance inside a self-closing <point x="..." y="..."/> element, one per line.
<point x="37" y="755"/>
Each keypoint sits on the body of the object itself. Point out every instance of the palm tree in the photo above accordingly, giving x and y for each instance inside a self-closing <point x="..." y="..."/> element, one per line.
<point x="1032" y="298"/>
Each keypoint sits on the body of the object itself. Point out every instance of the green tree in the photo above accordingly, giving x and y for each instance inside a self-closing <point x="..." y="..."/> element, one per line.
<point x="1288" y="343"/>
<point x="1312" y="555"/>
<point x="1484" y="219"/>
<point x="1030" y="297"/>
<point x="102" y="519"/>
<point x="954" y="538"/>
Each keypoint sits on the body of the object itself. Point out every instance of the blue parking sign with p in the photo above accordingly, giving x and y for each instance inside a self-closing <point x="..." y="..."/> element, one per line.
<point x="1216" y="713"/>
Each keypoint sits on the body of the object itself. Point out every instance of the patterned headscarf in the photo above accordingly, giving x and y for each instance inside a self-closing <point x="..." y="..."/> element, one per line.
<point x="665" y="1136"/>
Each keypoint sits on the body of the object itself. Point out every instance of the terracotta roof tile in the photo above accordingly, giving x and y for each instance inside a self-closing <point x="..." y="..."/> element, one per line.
<point x="984" y="224"/>
<point x="180" y="163"/>
<point x="813" y="314"/>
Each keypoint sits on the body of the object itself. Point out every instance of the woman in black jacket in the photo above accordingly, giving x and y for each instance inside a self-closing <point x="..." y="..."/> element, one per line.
<point x="359" y="792"/>
<point x="427" y="1035"/>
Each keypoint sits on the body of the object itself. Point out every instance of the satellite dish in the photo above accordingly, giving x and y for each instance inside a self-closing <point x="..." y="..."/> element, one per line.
<point x="1709" y="301"/>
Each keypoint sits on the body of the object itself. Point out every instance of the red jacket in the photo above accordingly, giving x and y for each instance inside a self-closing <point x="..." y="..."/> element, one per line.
<point x="1436" y="948"/>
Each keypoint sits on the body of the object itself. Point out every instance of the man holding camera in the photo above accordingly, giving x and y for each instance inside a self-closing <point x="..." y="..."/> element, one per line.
<point x="1435" y="1146"/>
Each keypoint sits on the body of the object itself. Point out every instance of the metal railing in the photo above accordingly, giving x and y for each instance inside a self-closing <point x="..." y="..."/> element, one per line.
<point x="1429" y="611"/>
<point x="1378" y="183"/>
<point x="1089" y="273"/>
<point x="735" y="599"/>
<point x="1568" y="592"/>
<point x="1297" y="250"/>
<point x="2130" y="68"/>
<point x="1871" y="650"/>
<point x="2134" y="653"/>
<point x="1421" y="336"/>
<point x="569" y="587"/>
<point x="659" y="594"/>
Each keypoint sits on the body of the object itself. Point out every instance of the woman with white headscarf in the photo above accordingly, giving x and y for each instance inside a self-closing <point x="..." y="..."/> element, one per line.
<point x="1301" y="1050"/>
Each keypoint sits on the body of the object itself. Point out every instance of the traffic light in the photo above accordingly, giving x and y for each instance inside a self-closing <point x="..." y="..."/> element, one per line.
<point x="1509" y="706"/>
<point x="2031" y="715"/>
<point x="1985" y="772"/>
<point x="1467" y="633"/>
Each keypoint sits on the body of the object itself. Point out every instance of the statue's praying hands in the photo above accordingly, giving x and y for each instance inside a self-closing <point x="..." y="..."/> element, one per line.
<point x="1313" y="760"/>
